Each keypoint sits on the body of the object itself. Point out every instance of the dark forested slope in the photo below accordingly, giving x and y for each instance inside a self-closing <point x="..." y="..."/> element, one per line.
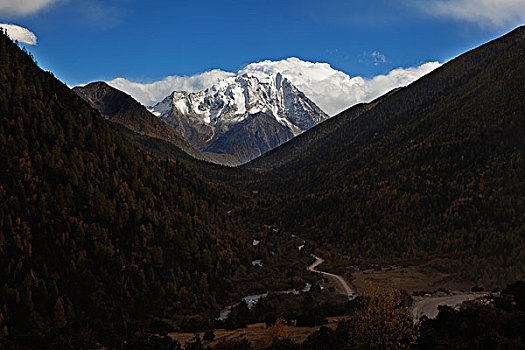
<point x="435" y="169"/>
<point x="118" y="107"/>
<point x="96" y="237"/>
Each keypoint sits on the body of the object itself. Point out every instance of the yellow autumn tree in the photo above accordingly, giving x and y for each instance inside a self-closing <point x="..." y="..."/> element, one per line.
<point x="382" y="322"/>
<point x="278" y="331"/>
<point x="3" y="328"/>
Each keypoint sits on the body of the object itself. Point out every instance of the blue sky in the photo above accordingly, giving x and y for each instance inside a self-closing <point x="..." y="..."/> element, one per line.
<point x="86" y="40"/>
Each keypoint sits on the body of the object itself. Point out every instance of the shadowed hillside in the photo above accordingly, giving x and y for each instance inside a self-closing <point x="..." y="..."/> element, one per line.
<point x="97" y="238"/>
<point x="436" y="169"/>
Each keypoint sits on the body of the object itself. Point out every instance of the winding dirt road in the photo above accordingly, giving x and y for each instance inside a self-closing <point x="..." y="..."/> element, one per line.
<point x="350" y="293"/>
<point x="427" y="306"/>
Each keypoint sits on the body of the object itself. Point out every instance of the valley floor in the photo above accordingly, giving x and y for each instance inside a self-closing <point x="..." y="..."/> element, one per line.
<point x="428" y="286"/>
<point x="412" y="277"/>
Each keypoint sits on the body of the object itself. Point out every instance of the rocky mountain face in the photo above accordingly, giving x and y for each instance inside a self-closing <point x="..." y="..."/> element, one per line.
<point x="242" y="116"/>
<point x="120" y="108"/>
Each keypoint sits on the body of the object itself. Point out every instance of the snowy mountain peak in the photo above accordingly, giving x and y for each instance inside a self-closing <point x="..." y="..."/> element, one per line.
<point x="233" y="99"/>
<point x="203" y="117"/>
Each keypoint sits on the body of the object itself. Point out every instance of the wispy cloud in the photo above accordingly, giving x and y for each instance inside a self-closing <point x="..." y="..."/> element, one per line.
<point x="330" y="89"/>
<point x="20" y="34"/>
<point x="483" y="12"/>
<point x="23" y="7"/>
<point x="378" y="58"/>
<point x="104" y="14"/>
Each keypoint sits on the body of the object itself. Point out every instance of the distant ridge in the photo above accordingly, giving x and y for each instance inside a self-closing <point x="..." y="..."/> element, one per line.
<point x="119" y="107"/>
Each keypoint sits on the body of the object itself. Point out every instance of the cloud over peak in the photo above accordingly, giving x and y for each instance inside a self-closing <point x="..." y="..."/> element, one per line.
<point x="151" y="93"/>
<point x="23" y="7"/>
<point x="20" y="34"/>
<point x="332" y="90"/>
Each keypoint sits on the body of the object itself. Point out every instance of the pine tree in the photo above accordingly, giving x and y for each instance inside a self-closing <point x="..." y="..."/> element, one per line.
<point x="59" y="314"/>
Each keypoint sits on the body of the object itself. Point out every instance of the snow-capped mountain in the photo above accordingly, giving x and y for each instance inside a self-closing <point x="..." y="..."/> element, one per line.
<point x="259" y="110"/>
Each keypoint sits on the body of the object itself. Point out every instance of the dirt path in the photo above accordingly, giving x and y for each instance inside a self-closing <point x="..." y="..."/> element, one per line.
<point x="339" y="279"/>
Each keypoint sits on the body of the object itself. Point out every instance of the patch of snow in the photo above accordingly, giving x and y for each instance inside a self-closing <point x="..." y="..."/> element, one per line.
<point x="181" y="106"/>
<point x="156" y="114"/>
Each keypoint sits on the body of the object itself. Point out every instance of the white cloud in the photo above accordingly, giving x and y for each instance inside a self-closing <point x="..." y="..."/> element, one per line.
<point x="23" y="7"/>
<point x="333" y="90"/>
<point x="483" y="12"/>
<point x="20" y="34"/>
<point x="149" y="94"/>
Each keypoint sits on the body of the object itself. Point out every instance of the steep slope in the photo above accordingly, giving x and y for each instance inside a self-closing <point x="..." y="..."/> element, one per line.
<point x="97" y="239"/>
<point x="293" y="148"/>
<point x="118" y="107"/>
<point x="435" y="170"/>
<point x="210" y="116"/>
